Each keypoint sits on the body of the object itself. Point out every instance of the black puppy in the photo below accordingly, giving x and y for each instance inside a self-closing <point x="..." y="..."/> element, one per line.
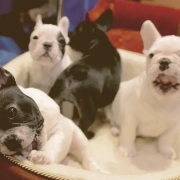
<point x="20" y="119"/>
<point x="93" y="81"/>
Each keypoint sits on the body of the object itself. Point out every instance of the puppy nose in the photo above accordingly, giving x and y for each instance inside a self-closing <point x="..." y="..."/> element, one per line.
<point x="13" y="143"/>
<point x="47" y="45"/>
<point x="164" y="64"/>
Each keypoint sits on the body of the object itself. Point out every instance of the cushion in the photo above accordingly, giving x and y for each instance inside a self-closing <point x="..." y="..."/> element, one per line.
<point x="131" y="15"/>
<point x="128" y="17"/>
<point x="148" y="164"/>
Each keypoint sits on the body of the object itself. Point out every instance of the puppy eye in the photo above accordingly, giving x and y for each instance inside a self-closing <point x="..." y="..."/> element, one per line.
<point x="61" y="41"/>
<point x="11" y="112"/>
<point x="151" y="55"/>
<point x="35" y="37"/>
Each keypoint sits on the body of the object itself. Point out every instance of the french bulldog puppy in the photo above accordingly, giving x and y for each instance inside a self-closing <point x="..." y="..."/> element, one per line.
<point x="93" y="81"/>
<point x="31" y="124"/>
<point x="149" y="105"/>
<point x="132" y="64"/>
<point x="47" y="49"/>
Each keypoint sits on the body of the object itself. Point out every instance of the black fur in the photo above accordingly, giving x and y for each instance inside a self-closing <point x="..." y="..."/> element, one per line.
<point x="16" y="109"/>
<point x="62" y="42"/>
<point x="93" y="81"/>
<point x="13" y="143"/>
<point x="87" y="34"/>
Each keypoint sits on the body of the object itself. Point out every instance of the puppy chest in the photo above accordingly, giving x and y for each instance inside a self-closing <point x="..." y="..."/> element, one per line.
<point x="154" y="126"/>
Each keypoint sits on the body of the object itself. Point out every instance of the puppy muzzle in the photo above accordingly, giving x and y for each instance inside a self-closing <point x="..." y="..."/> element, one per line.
<point x="16" y="139"/>
<point x="164" y="64"/>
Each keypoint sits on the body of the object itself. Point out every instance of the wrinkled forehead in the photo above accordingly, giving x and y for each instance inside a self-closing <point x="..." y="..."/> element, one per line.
<point x="47" y="31"/>
<point x="15" y="97"/>
<point x="167" y="45"/>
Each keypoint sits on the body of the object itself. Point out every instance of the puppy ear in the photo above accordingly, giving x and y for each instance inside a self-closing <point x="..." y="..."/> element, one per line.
<point x="38" y="21"/>
<point x="78" y="72"/>
<point x="149" y="35"/>
<point x="6" y="78"/>
<point x="105" y="20"/>
<point x="64" y="27"/>
<point x="87" y="17"/>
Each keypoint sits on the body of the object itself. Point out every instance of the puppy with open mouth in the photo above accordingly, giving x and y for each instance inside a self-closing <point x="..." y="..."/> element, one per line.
<point x="149" y="105"/>
<point x="32" y="125"/>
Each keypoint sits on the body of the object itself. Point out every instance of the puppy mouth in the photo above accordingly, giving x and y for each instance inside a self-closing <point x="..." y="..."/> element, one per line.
<point x="166" y="82"/>
<point x="46" y="55"/>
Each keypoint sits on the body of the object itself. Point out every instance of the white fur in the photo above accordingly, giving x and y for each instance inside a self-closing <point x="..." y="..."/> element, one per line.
<point x="61" y="136"/>
<point x="142" y="109"/>
<point x="43" y="70"/>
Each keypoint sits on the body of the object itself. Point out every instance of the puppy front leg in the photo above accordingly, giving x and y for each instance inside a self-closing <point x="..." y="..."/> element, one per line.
<point x="80" y="148"/>
<point x="127" y="139"/>
<point x="87" y="112"/>
<point x="53" y="151"/>
<point x="165" y="142"/>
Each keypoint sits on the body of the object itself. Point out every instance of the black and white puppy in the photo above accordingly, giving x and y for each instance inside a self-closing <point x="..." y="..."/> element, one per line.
<point x="20" y="118"/>
<point x="84" y="36"/>
<point x="93" y="81"/>
<point x="36" y="128"/>
<point x="47" y="49"/>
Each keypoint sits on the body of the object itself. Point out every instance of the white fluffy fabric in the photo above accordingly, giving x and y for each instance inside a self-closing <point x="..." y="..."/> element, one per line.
<point x="147" y="165"/>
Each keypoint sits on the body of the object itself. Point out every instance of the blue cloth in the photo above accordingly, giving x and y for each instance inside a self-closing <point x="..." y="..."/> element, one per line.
<point x="8" y="50"/>
<point x="76" y="10"/>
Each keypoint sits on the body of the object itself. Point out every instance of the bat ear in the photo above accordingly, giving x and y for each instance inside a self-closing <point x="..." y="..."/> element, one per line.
<point x="6" y="78"/>
<point x="38" y="21"/>
<point x="105" y="20"/>
<point x="149" y="35"/>
<point x="64" y="27"/>
<point x="87" y="17"/>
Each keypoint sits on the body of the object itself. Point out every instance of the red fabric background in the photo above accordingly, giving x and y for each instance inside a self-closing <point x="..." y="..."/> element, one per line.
<point x="131" y="15"/>
<point x="128" y="17"/>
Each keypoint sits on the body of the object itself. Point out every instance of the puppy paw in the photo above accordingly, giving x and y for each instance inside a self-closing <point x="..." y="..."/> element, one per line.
<point x="168" y="152"/>
<point x="127" y="151"/>
<point x="39" y="157"/>
<point x="115" y="131"/>
<point x="94" y="167"/>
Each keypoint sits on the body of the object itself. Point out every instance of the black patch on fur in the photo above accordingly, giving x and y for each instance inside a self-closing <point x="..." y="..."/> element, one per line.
<point x="13" y="143"/>
<point x="27" y="111"/>
<point x="93" y="81"/>
<point x="62" y="43"/>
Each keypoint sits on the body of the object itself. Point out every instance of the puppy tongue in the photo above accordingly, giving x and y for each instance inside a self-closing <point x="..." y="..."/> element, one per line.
<point x="165" y="79"/>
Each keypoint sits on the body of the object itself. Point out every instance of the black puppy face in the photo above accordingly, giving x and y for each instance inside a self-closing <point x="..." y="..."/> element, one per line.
<point x="88" y="33"/>
<point x="16" y="111"/>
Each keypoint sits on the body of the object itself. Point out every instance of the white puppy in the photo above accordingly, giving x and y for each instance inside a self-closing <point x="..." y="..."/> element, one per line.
<point x="47" y="48"/>
<point x="59" y="135"/>
<point x="149" y="105"/>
